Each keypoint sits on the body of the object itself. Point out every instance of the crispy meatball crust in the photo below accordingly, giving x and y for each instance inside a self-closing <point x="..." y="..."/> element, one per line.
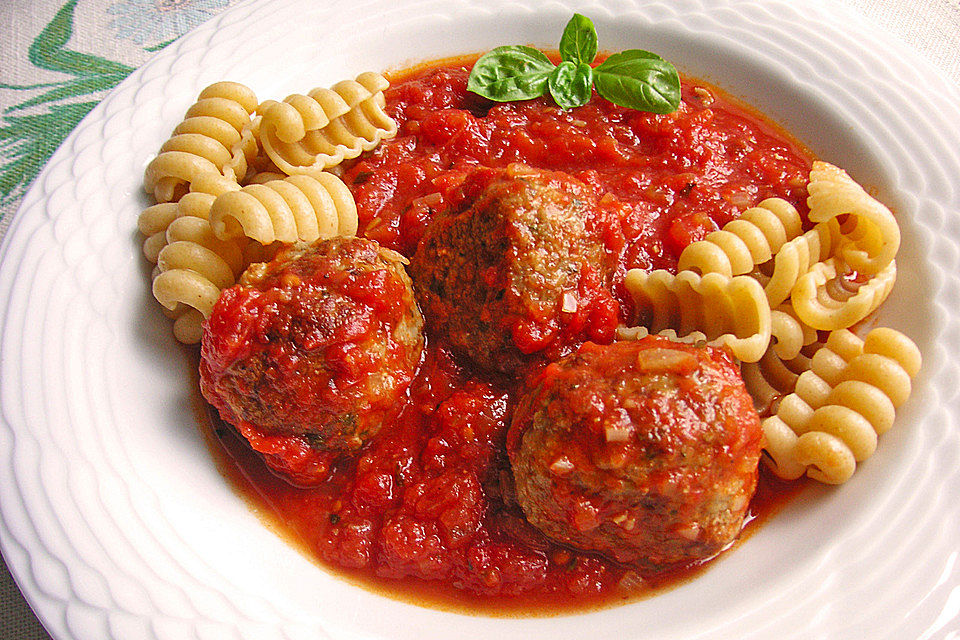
<point x="321" y="343"/>
<point x="520" y="268"/>
<point x="643" y="451"/>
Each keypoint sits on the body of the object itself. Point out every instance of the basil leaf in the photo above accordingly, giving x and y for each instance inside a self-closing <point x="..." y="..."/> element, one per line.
<point x="579" y="40"/>
<point x="639" y="80"/>
<point x="510" y="73"/>
<point x="571" y="84"/>
<point x="634" y="79"/>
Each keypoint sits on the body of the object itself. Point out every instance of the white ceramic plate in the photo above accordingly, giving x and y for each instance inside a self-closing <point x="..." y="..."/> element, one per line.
<point x="115" y="521"/>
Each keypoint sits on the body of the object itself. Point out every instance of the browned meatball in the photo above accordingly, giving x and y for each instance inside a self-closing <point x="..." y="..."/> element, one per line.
<point x="520" y="268"/>
<point x="319" y="343"/>
<point x="643" y="451"/>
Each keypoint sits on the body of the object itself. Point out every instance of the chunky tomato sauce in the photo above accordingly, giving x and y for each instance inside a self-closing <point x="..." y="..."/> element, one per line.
<point x="671" y="178"/>
<point x="421" y="511"/>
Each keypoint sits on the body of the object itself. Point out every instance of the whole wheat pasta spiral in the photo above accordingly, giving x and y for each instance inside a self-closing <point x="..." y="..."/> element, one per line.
<point x="193" y="267"/>
<point x="729" y="311"/>
<point x="306" y="134"/>
<point x="214" y="137"/>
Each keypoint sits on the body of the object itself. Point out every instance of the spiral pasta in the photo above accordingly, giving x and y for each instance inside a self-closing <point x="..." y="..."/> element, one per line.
<point x="750" y="240"/>
<point x="224" y="203"/>
<point x="825" y="299"/>
<point x="154" y="220"/>
<point x="809" y="284"/>
<point x="192" y="269"/>
<point x="729" y="311"/>
<point x="795" y="258"/>
<point x="873" y="235"/>
<point x="153" y="223"/>
<point x="766" y="242"/>
<point x="841" y="404"/>
<point x="214" y="137"/>
<point x="193" y="265"/>
<point x="767" y="238"/>
<point x="304" y="208"/>
<point x="771" y="378"/>
<point x="306" y="134"/>
<point x="788" y="334"/>
<point x="775" y="373"/>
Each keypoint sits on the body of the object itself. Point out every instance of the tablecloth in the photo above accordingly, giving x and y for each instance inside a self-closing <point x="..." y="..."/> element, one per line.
<point x="59" y="58"/>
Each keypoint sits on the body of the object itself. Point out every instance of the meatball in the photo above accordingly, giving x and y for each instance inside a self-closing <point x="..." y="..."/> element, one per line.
<point x="520" y="268"/>
<point x="645" y="452"/>
<point x="318" y="344"/>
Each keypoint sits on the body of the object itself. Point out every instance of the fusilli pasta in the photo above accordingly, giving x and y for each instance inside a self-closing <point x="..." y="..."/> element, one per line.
<point x="297" y="208"/>
<point x="841" y="404"/>
<point x="746" y="242"/>
<point x="729" y="311"/>
<point x="306" y="134"/>
<point x="873" y="235"/>
<point x="214" y="137"/>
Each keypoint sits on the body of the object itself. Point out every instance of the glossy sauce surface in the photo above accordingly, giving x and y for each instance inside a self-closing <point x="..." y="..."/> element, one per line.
<point x="669" y="179"/>
<point x="424" y="510"/>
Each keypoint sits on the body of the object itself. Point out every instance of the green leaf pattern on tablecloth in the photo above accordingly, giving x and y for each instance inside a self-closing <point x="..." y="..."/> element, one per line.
<point x="43" y="114"/>
<point x="32" y="130"/>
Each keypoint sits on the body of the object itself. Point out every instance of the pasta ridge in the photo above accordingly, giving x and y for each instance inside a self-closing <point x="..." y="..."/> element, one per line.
<point x="726" y="311"/>
<point x="193" y="267"/>
<point x="796" y="257"/>
<point x="873" y="235"/>
<point x="839" y="407"/>
<point x="746" y="242"/>
<point x="192" y="264"/>
<point x="306" y="134"/>
<point x="767" y="242"/>
<point x="772" y="377"/>
<point x="826" y="298"/>
<point x="154" y="221"/>
<point x="296" y="208"/>
<point x="788" y="334"/>
<point x="214" y="138"/>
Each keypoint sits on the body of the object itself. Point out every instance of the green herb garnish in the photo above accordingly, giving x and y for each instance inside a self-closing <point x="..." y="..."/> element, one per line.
<point x="511" y="73"/>
<point x="633" y="78"/>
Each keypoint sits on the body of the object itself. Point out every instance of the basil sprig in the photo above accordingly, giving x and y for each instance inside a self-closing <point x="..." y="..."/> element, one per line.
<point x="634" y="78"/>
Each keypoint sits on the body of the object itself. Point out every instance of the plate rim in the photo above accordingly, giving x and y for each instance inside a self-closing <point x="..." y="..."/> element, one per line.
<point x="38" y="193"/>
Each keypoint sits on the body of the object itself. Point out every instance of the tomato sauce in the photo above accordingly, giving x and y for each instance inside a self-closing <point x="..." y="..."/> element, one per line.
<point x="423" y="511"/>
<point x="674" y="177"/>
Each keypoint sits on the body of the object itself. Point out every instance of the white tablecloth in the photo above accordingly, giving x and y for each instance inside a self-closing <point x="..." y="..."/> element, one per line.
<point x="91" y="45"/>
